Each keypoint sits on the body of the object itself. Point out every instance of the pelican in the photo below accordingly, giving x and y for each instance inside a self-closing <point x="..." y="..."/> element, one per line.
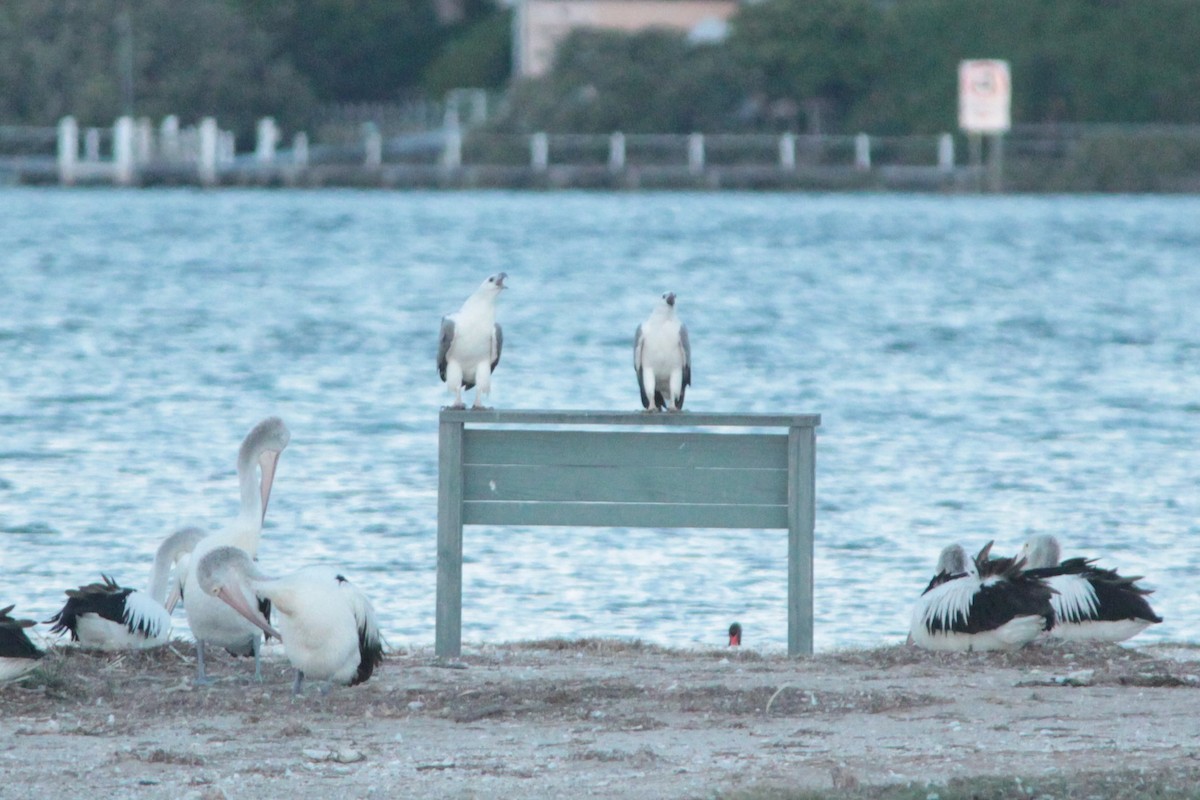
<point x="470" y="343"/>
<point x="18" y="655"/>
<point x="1091" y="603"/>
<point x="980" y="604"/>
<point x="107" y="616"/>
<point x="662" y="357"/>
<point x="327" y="625"/>
<point x="211" y="621"/>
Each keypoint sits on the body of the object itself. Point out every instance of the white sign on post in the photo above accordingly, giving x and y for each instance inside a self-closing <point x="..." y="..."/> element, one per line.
<point x="984" y="96"/>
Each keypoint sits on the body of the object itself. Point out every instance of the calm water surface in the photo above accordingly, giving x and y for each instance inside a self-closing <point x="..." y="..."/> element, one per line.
<point x="986" y="368"/>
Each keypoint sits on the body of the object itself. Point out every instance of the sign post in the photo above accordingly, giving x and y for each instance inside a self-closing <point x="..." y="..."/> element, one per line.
<point x="985" y="108"/>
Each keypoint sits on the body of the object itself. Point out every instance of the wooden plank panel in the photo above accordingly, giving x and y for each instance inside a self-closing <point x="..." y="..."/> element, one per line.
<point x="625" y="515"/>
<point x="471" y="416"/>
<point x="623" y="448"/>
<point x="593" y="484"/>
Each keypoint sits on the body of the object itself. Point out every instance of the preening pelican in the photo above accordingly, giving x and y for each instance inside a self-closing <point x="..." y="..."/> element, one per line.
<point x="470" y="343"/>
<point x="1091" y="603"/>
<point x="980" y="604"/>
<point x="107" y="616"/>
<point x="211" y="621"/>
<point x="662" y="357"/>
<point x="18" y="655"/>
<point x="327" y="625"/>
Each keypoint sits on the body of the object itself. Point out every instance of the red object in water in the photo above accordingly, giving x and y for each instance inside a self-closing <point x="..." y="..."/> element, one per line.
<point x="735" y="635"/>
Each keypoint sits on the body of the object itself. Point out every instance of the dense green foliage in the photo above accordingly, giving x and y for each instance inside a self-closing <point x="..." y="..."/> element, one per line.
<point x="663" y="84"/>
<point x="60" y="57"/>
<point x="236" y="59"/>
<point x="884" y="66"/>
<point x="890" y="67"/>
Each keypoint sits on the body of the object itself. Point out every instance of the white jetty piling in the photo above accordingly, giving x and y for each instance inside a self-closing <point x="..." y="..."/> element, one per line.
<point x="862" y="152"/>
<point x="373" y="144"/>
<point x="946" y="152"/>
<point x="539" y="152"/>
<point x="267" y="138"/>
<point x="787" y="151"/>
<point x="123" y="131"/>
<point x="68" y="150"/>
<point x="206" y="162"/>
<point x="300" y="149"/>
<point x="616" y="152"/>
<point x="168" y="138"/>
<point x="696" y="153"/>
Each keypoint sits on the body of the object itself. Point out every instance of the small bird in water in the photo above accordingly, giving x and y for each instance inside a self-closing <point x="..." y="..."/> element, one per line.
<point x="735" y="634"/>
<point x="662" y="357"/>
<point x="18" y="655"/>
<point x="470" y="343"/>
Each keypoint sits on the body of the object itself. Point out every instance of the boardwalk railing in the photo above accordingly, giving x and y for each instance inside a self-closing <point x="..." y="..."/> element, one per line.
<point x="578" y="468"/>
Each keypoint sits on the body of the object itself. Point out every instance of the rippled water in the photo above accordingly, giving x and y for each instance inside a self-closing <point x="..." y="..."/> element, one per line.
<point x="986" y="368"/>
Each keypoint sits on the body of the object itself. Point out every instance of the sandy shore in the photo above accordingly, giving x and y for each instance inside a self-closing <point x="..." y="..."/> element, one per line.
<point x="595" y="719"/>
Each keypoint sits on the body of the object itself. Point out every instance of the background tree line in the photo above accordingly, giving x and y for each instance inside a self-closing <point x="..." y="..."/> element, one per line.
<point x="883" y="66"/>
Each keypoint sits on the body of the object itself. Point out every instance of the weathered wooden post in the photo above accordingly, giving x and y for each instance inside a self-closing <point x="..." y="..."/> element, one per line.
<point x="300" y="149"/>
<point x="206" y="161"/>
<point x="267" y="136"/>
<point x="452" y="149"/>
<point x="68" y="150"/>
<point x="539" y="152"/>
<point x="616" y="152"/>
<point x="373" y="144"/>
<point x="862" y="152"/>
<point x="787" y="151"/>
<point x="123" y="151"/>
<point x="696" y="153"/>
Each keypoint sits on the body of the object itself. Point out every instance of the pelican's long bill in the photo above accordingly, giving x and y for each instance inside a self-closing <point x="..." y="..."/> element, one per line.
<point x="236" y="599"/>
<point x="267" y="461"/>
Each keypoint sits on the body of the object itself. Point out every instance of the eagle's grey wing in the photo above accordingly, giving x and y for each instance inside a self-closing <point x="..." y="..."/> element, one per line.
<point x="444" y="345"/>
<point x="637" y="351"/>
<point x="638" y="344"/>
<point x="687" y="355"/>
<point x="497" y="346"/>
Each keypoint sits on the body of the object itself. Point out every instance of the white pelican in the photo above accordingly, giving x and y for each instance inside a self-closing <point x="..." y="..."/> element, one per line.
<point x="211" y="621"/>
<point x="18" y="655"/>
<point x="662" y="357"/>
<point x="107" y="616"/>
<point x="980" y="604"/>
<point x="327" y="625"/>
<point x="471" y="341"/>
<point x="1091" y="603"/>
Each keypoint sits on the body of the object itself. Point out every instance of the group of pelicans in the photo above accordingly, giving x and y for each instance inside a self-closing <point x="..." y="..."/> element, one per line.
<point x="328" y="627"/>
<point x="993" y="603"/>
